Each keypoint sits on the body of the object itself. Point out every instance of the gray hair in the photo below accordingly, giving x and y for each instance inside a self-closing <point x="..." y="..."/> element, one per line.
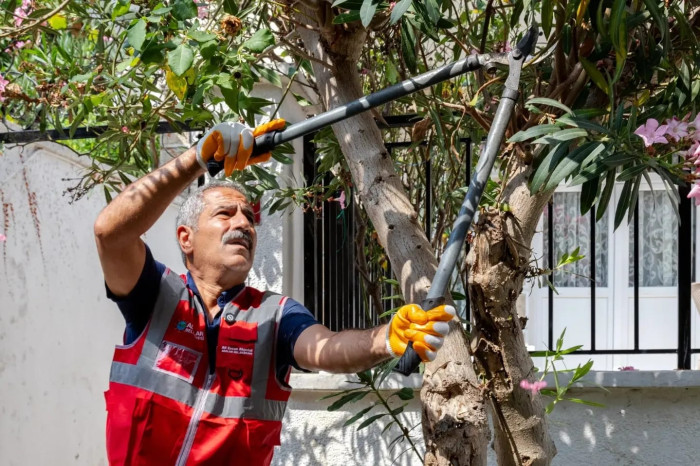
<point x="192" y="208"/>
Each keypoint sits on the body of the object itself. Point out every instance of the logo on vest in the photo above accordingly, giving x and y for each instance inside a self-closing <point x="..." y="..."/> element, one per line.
<point x="183" y="326"/>
<point x="239" y="350"/>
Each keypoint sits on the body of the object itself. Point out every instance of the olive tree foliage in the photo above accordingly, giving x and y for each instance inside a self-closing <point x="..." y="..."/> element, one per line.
<point x="601" y="70"/>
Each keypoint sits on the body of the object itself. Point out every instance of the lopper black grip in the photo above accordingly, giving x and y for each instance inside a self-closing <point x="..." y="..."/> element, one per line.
<point x="409" y="361"/>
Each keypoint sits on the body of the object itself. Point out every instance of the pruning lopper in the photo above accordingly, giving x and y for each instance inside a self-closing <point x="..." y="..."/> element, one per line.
<point x="514" y="60"/>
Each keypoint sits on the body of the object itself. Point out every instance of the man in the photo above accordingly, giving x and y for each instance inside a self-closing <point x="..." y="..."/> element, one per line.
<point x="202" y="375"/>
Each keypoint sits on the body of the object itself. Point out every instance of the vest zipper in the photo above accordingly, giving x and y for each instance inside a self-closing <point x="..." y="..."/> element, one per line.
<point x="194" y="422"/>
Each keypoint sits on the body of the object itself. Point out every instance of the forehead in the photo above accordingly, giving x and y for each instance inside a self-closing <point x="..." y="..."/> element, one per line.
<point x="225" y="196"/>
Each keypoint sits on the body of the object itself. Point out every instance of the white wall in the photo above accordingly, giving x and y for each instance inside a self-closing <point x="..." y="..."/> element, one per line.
<point x="57" y="328"/>
<point x="649" y="418"/>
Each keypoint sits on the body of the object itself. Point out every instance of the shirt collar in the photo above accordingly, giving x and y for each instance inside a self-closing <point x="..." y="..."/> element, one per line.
<point x="223" y="299"/>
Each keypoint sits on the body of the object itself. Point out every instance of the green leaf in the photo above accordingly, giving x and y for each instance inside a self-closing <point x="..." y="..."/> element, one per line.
<point x="433" y="11"/>
<point x="595" y="75"/>
<point x="631" y="172"/>
<point x="184" y="9"/>
<point x="358" y="416"/>
<point x="406" y="393"/>
<point x="347" y="17"/>
<point x="606" y="195"/>
<point x="367" y="12"/>
<point x="547" y="166"/>
<point x="269" y="75"/>
<point x="152" y="55"/>
<point x="534" y="132"/>
<point x="589" y="191"/>
<point x="180" y="60"/>
<point x="121" y="8"/>
<point x="573" y="161"/>
<point x="659" y="17"/>
<point x="561" y="136"/>
<point x="408" y="46"/>
<point x="549" y="103"/>
<point x="370" y="420"/>
<point x="137" y="34"/>
<point x="58" y="22"/>
<point x="585" y="402"/>
<point x="259" y="41"/>
<point x="621" y="158"/>
<point x="582" y="123"/>
<point x="348" y="398"/>
<point x="624" y="202"/>
<point x="618" y="29"/>
<point x="398" y="11"/>
<point x="201" y="36"/>
<point x="547" y="13"/>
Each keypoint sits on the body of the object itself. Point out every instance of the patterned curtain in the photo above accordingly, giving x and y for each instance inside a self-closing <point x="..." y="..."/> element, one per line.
<point x="571" y="230"/>
<point x="658" y="225"/>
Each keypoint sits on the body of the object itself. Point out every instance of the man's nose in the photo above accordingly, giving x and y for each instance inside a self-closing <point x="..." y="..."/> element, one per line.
<point x="241" y="221"/>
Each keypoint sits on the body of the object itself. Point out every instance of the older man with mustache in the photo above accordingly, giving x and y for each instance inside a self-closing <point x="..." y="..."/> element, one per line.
<point x="202" y="375"/>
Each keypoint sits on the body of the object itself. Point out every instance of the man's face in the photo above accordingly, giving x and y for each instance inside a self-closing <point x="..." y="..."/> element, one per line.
<point x="225" y="236"/>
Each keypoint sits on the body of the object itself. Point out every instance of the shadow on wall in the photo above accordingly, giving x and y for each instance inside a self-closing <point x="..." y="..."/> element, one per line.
<point x="650" y="426"/>
<point x="312" y="435"/>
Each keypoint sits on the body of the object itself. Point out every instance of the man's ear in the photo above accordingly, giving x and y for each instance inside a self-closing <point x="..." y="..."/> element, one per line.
<point x="184" y="238"/>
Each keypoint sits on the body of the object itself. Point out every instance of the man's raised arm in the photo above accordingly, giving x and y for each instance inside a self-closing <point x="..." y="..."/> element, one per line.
<point x="120" y="225"/>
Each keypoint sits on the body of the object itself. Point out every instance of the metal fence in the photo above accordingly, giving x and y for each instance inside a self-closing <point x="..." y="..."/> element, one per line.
<point x="333" y="291"/>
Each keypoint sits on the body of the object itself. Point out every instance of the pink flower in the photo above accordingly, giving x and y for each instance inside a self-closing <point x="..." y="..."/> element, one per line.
<point x="392" y="5"/>
<point x="626" y="368"/>
<point x="341" y="200"/>
<point x="676" y="129"/>
<point x="694" y="152"/>
<point x="2" y="238"/>
<point x="202" y="11"/>
<point x="3" y="83"/>
<point x="651" y="132"/>
<point x="695" y="193"/>
<point x="534" y="387"/>
<point x="20" y="14"/>
<point x="125" y="129"/>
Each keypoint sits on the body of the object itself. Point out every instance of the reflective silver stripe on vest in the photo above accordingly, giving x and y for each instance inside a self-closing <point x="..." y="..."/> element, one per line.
<point x="172" y="291"/>
<point x="142" y="375"/>
<point x="267" y="316"/>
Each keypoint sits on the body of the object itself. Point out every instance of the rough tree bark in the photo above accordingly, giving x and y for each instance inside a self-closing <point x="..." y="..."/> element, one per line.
<point x="498" y="263"/>
<point x="454" y="418"/>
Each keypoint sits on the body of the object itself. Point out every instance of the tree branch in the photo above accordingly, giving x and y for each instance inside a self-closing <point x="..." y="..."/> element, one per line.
<point x="22" y="30"/>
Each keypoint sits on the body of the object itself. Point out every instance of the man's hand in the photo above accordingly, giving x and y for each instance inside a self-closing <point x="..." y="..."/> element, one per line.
<point x="426" y="329"/>
<point x="233" y="143"/>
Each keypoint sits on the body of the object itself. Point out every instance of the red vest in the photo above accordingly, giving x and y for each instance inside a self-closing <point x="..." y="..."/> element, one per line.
<point x="164" y="407"/>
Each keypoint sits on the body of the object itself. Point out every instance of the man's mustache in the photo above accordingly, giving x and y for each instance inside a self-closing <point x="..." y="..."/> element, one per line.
<point x="236" y="235"/>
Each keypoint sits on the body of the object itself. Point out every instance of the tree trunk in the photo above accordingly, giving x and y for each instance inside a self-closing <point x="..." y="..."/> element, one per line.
<point x="454" y="418"/>
<point x="498" y="263"/>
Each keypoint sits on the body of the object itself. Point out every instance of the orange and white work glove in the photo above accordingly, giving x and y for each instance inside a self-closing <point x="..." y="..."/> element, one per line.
<point x="426" y="329"/>
<point x="233" y="144"/>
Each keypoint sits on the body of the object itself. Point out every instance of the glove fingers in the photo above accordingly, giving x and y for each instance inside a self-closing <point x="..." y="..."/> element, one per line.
<point x="434" y="342"/>
<point x="274" y="125"/>
<point x="444" y="313"/>
<point x="439" y="329"/>
<point x="424" y="352"/>
<point x="415" y="314"/>
<point x="221" y="149"/>
<point x="229" y="165"/>
<point x="246" y="142"/>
